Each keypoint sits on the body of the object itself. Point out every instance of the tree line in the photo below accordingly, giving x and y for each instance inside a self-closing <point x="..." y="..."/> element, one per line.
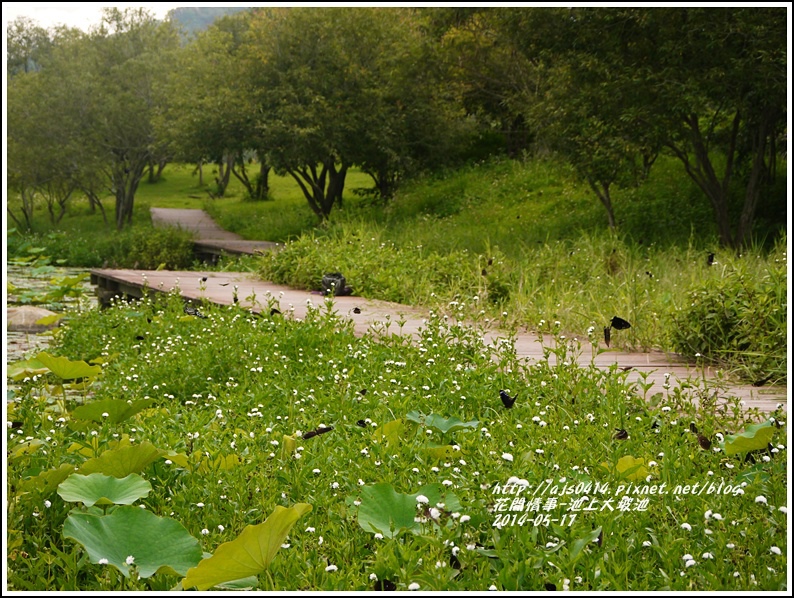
<point x="312" y="92"/>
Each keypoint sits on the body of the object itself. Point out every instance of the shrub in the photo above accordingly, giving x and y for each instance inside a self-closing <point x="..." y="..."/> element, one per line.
<point x="737" y="318"/>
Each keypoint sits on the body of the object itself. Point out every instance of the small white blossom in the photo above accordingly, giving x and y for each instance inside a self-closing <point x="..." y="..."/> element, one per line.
<point x="686" y="526"/>
<point x="760" y="499"/>
<point x="775" y="550"/>
<point x="331" y="568"/>
<point x="414" y="586"/>
<point x="130" y="560"/>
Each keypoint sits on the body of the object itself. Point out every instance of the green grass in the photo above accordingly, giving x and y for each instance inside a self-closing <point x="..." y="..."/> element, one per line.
<point x="225" y="404"/>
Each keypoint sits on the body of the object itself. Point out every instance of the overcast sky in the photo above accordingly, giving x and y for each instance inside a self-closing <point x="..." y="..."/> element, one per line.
<point x="81" y="14"/>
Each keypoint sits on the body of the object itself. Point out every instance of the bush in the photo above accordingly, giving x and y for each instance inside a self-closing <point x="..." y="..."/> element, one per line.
<point x="373" y="268"/>
<point x="142" y="247"/>
<point x="737" y="318"/>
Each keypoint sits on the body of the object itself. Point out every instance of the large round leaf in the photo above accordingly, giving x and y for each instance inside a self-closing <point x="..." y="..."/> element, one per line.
<point x="121" y="462"/>
<point x="111" y="411"/>
<point x="249" y="554"/>
<point x="100" y="489"/>
<point x="386" y="511"/>
<point x="47" y="481"/>
<point x="755" y="437"/>
<point x="66" y="369"/>
<point x="155" y="543"/>
<point x="442" y="424"/>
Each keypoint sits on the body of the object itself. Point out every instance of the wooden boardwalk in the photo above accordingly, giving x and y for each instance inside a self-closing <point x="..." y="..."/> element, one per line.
<point x="211" y="241"/>
<point x="219" y="288"/>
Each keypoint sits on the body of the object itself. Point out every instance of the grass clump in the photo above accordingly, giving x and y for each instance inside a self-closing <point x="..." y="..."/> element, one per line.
<point x="143" y="247"/>
<point x="736" y="316"/>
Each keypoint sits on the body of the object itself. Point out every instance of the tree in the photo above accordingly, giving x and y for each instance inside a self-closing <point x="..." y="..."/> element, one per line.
<point x="211" y="115"/>
<point x="28" y="43"/>
<point x="43" y="138"/>
<point x="334" y="93"/>
<point x="720" y="78"/>
<point x="126" y="58"/>
<point x="706" y="84"/>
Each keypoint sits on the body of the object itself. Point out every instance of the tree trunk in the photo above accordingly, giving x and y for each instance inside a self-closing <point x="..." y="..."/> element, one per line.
<point x="224" y="174"/>
<point x="761" y="172"/>
<point x="602" y="192"/>
<point x="321" y="198"/>
<point x="263" y="181"/>
<point x="199" y="168"/>
<point x="125" y="185"/>
<point x="95" y="202"/>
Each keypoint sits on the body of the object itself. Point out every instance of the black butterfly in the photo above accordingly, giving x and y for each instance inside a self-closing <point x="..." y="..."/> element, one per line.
<point x="203" y="279"/>
<point x="384" y="585"/>
<point x="693" y="428"/>
<point x="362" y="392"/>
<point x="317" y="432"/>
<point x="274" y="311"/>
<point x="763" y="381"/>
<point x="192" y="311"/>
<point x="710" y="260"/>
<point x="704" y="442"/>
<point x="507" y="400"/>
<point x="619" y="323"/>
<point x="620" y="434"/>
<point x="224" y="284"/>
<point x="361" y="423"/>
<point x="550" y="587"/>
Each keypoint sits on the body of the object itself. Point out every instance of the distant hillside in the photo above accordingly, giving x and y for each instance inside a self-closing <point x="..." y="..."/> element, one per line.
<point x="195" y="19"/>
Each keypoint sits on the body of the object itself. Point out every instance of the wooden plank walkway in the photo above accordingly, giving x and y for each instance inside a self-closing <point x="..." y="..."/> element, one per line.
<point x="219" y="288"/>
<point x="211" y="241"/>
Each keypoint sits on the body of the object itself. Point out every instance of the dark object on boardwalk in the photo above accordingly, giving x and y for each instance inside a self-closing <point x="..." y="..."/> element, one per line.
<point x="203" y="279"/>
<point x="335" y="284"/>
<point x="619" y="323"/>
<point x="621" y="434"/>
<point x="192" y="311"/>
<point x="507" y="400"/>
<point x="710" y="260"/>
<point x="606" y="335"/>
<point x="317" y="432"/>
<point x="356" y="310"/>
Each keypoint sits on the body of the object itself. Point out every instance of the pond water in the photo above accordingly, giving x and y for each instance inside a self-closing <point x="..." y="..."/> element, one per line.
<point x="57" y="289"/>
